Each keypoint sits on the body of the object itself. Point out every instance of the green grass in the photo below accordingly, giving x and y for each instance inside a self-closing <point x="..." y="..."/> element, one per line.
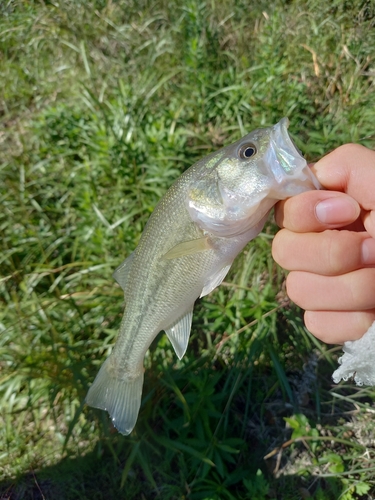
<point x="103" y="104"/>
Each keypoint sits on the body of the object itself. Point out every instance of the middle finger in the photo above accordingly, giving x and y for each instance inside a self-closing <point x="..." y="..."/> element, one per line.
<point x="330" y="252"/>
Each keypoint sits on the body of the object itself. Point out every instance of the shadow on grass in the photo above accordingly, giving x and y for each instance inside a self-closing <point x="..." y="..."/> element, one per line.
<point x="302" y="465"/>
<point x="96" y="476"/>
<point x="206" y="426"/>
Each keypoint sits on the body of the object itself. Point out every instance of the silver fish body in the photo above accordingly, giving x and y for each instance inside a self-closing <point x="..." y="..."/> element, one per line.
<point x="188" y="245"/>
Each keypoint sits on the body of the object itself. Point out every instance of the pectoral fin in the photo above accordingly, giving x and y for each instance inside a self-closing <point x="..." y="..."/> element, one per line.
<point x="188" y="248"/>
<point x="215" y="280"/>
<point x="179" y="333"/>
<point x="121" y="272"/>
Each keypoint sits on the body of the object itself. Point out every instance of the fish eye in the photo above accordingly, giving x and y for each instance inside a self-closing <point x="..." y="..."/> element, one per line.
<point x="247" y="151"/>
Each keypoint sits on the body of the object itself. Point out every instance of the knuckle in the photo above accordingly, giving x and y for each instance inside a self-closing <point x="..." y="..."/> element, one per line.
<point x="278" y="248"/>
<point x="312" y="324"/>
<point x="340" y="251"/>
<point x="370" y="290"/>
<point x="279" y="213"/>
<point x="293" y="288"/>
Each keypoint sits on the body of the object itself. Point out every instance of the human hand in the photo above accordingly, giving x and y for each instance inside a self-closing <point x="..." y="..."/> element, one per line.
<point x="327" y="241"/>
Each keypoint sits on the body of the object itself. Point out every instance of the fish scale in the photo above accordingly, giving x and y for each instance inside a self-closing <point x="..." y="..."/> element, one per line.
<point x="187" y="247"/>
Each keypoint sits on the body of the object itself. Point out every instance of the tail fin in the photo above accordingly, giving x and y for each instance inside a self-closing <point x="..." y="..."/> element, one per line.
<point x="121" y="398"/>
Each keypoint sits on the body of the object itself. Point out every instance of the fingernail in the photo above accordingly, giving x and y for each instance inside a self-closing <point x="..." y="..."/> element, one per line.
<point x="336" y="211"/>
<point x="368" y="251"/>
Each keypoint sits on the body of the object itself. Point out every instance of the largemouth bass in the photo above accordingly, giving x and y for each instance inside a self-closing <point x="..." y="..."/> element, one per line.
<point x="188" y="245"/>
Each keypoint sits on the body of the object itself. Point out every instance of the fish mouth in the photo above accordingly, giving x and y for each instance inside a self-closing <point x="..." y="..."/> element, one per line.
<point x="287" y="153"/>
<point x="283" y="126"/>
<point x="289" y="167"/>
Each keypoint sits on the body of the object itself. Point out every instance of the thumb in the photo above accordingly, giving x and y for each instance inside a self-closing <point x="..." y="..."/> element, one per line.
<point x="351" y="170"/>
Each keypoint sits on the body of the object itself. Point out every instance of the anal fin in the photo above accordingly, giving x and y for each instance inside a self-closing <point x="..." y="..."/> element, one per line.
<point x="215" y="280"/>
<point x="179" y="333"/>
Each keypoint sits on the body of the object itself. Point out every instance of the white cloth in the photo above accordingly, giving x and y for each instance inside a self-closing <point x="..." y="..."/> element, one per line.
<point x="358" y="360"/>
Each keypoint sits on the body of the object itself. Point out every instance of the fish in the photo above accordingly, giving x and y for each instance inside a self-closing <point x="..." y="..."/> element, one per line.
<point x="188" y="245"/>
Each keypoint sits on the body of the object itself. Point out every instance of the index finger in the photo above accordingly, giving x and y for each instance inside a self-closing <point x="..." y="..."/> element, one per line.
<point x="316" y="211"/>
